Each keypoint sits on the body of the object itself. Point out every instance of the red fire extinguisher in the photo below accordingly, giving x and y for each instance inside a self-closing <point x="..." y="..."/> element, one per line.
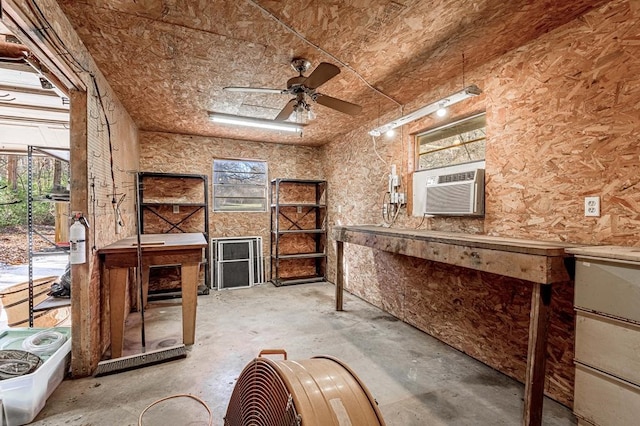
<point x="77" y="241"/>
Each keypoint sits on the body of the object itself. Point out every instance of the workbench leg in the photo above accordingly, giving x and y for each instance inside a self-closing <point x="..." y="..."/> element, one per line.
<point x="537" y="354"/>
<point x="189" y="274"/>
<point x="118" y="279"/>
<point x="339" y="274"/>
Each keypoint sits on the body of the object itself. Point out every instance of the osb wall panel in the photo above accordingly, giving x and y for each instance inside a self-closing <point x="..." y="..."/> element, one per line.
<point x="172" y="190"/>
<point x="170" y="153"/>
<point x="290" y="268"/>
<point x="290" y="218"/>
<point x="297" y="243"/>
<point x="473" y="311"/>
<point x="562" y="123"/>
<point x="105" y="142"/>
<point x="162" y="219"/>
<point x="300" y="193"/>
<point x="112" y="153"/>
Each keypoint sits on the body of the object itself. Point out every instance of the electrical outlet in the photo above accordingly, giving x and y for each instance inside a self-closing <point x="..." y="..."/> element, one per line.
<point x="592" y="206"/>
<point x="299" y="210"/>
<point x="176" y="208"/>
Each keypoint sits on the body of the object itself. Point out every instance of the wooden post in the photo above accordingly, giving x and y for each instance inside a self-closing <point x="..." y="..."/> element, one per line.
<point x="537" y="354"/>
<point x="339" y="274"/>
<point x="86" y="305"/>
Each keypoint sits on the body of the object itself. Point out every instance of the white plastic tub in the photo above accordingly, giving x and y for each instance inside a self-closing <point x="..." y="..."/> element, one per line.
<point x="23" y="397"/>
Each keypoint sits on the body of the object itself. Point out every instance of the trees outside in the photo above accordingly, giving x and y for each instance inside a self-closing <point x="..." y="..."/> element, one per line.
<point x="50" y="175"/>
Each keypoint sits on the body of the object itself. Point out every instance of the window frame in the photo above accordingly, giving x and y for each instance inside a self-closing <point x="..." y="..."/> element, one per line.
<point x="264" y="186"/>
<point x="454" y="123"/>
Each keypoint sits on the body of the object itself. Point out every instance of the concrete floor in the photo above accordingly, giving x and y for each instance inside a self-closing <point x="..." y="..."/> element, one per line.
<point x="416" y="379"/>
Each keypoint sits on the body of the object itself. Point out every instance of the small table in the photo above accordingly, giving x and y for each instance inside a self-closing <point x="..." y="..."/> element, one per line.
<point x="184" y="249"/>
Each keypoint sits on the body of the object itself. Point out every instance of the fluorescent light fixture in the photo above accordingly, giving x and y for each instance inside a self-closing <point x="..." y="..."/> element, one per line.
<point x="260" y="123"/>
<point x="452" y="99"/>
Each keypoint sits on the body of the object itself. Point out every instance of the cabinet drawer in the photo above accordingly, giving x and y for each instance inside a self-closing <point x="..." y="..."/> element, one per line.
<point x="609" y="345"/>
<point x="604" y="400"/>
<point x="612" y="288"/>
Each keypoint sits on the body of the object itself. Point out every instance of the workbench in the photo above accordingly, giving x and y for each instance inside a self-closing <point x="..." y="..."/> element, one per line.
<point x="540" y="263"/>
<point x="184" y="249"/>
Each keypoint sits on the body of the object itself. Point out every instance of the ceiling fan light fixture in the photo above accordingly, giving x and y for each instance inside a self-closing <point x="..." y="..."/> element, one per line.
<point x="454" y="98"/>
<point x="310" y="114"/>
<point x="238" y="120"/>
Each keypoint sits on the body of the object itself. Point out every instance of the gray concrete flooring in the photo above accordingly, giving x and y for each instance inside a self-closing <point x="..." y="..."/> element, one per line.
<point x="416" y="379"/>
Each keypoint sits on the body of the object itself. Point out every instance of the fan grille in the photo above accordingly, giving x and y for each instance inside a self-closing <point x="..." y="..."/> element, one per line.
<point x="321" y="391"/>
<point x="260" y="398"/>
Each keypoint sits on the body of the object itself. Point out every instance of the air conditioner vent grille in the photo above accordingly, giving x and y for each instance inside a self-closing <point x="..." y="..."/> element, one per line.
<point x="450" y="199"/>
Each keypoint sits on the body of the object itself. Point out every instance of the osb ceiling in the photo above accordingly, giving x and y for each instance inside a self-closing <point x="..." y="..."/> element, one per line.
<point x="168" y="60"/>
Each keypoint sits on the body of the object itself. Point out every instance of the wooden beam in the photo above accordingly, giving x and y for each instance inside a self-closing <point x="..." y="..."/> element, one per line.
<point x="84" y="352"/>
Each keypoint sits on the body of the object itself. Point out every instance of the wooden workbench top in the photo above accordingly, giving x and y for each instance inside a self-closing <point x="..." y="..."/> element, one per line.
<point x="542" y="248"/>
<point x="536" y="261"/>
<point x="156" y="242"/>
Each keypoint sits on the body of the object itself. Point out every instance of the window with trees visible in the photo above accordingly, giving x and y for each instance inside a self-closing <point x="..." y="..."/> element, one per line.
<point x="239" y="185"/>
<point x="459" y="142"/>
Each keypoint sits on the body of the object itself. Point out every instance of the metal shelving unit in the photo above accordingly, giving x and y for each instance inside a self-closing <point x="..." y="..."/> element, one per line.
<point x="59" y="154"/>
<point x="298" y="231"/>
<point x="174" y="207"/>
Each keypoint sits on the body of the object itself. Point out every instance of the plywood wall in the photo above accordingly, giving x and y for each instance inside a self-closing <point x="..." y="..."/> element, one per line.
<point x="170" y="153"/>
<point x="562" y="123"/>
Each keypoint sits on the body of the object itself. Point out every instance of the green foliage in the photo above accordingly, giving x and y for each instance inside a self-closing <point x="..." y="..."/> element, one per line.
<point x="13" y="195"/>
<point x="13" y="207"/>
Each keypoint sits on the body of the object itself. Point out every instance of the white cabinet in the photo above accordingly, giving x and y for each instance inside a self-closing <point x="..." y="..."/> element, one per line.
<point x="607" y="354"/>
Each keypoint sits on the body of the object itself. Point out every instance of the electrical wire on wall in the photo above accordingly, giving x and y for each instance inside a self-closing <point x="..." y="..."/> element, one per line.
<point x="394" y="199"/>
<point x="48" y="33"/>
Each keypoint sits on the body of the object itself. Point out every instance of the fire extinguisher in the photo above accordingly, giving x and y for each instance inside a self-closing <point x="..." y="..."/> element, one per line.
<point x="77" y="241"/>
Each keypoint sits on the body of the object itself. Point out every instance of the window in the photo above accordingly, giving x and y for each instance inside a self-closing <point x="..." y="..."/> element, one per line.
<point x="460" y="142"/>
<point x="239" y="186"/>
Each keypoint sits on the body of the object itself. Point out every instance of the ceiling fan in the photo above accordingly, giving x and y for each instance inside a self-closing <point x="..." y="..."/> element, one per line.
<point x="304" y="88"/>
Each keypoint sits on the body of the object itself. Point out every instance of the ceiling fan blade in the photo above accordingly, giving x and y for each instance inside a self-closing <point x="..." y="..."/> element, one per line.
<point x="286" y="111"/>
<point x="252" y="89"/>
<point x="338" y="104"/>
<point x="323" y="73"/>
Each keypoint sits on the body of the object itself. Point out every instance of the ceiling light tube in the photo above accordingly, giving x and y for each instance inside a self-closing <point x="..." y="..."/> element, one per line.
<point x="260" y="123"/>
<point x="452" y="99"/>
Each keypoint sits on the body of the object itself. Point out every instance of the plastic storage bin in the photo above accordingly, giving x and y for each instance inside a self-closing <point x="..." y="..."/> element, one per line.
<point x="23" y="397"/>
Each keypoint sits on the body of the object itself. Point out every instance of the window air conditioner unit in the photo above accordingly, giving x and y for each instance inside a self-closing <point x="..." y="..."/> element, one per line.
<point x="456" y="194"/>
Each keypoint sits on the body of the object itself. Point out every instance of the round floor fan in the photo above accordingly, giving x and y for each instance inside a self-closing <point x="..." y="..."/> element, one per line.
<point x="304" y="89"/>
<point x="321" y="391"/>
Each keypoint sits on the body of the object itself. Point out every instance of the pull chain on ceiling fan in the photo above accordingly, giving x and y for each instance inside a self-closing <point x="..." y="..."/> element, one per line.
<point x="304" y="88"/>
